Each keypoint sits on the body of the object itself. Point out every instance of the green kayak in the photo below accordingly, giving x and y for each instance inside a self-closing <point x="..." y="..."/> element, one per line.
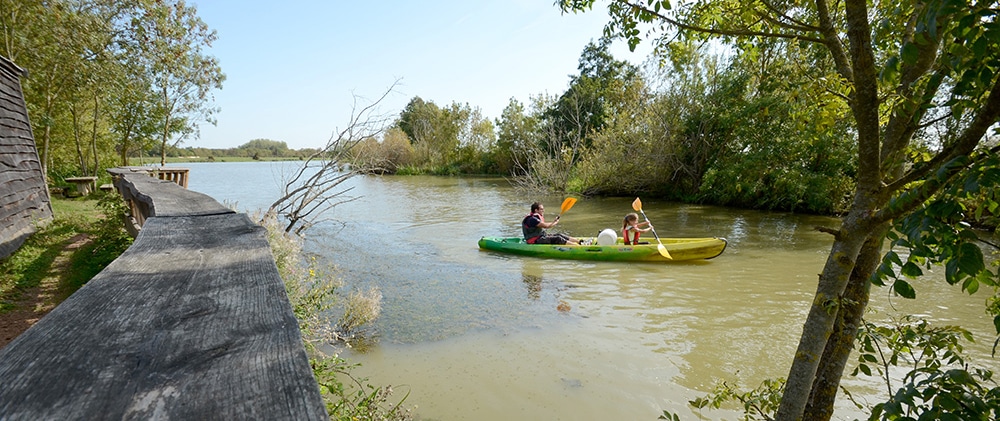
<point x="679" y="249"/>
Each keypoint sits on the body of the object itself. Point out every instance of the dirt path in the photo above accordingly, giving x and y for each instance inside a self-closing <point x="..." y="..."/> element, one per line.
<point x="38" y="301"/>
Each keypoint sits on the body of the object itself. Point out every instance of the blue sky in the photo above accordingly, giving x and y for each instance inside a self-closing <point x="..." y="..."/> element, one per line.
<point x="294" y="67"/>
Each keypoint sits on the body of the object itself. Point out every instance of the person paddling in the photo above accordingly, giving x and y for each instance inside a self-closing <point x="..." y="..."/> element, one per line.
<point x="533" y="227"/>
<point x="631" y="225"/>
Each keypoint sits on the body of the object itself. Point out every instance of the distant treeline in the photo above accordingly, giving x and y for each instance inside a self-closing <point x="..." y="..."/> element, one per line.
<point x="257" y="149"/>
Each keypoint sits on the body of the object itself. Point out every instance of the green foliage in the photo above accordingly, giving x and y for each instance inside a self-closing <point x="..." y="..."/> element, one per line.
<point x="172" y="40"/>
<point x="780" y="145"/>
<point x="729" y="133"/>
<point x="669" y="416"/>
<point x="74" y="222"/>
<point x="593" y="98"/>
<point x="445" y="141"/>
<point x="629" y="156"/>
<point x="357" y="400"/>
<point x="264" y="148"/>
<point x="937" y="232"/>
<point x="110" y="240"/>
<point x="383" y="156"/>
<point x="758" y="404"/>
<point x="993" y="309"/>
<point x="517" y="133"/>
<point x="939" y="384"/>
<point x="106" y="77"/>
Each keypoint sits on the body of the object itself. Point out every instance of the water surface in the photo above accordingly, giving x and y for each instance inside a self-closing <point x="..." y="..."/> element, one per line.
<point x="472" y="334"/>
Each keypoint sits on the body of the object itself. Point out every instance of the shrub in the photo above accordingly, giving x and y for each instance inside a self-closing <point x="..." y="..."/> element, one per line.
<point x="313" y="292"/>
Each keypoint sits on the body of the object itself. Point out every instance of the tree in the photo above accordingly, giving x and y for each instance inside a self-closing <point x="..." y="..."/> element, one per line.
<point x="594" y="96"/>
<point x="41" y="38"/>
<point x="265" y="147"/>
<point x="753" y="135"/>
<point x="421" y="121"/>
<point x="172" y="39"/>
<point x="515" y="131"/>
<point x="134" y="121"/>
<point x="914" y="74"/>
<point x="106" y="74"/>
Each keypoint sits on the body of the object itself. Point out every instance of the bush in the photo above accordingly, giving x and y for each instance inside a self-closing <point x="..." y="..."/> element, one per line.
<point x="313" y="292"/>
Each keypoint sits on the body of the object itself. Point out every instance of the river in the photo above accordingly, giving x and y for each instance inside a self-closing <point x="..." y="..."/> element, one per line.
<point x="472" y="334"/>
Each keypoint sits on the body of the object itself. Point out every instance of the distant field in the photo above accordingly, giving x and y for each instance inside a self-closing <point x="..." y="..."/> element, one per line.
<point x="183" y="159"/>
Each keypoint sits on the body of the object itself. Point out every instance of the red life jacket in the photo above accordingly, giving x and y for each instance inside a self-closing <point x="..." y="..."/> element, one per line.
<point x="635" y="236"/>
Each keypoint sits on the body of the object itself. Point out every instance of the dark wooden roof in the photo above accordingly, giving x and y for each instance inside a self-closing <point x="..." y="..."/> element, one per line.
<point x="12" y="69"/>
<point x="24" y="197"/>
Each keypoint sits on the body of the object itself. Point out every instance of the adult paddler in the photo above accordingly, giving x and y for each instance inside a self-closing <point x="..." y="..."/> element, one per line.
<point x="533" y="227"/>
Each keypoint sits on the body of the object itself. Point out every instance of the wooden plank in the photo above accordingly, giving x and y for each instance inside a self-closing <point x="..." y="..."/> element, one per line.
<point x="166" y="198"/>
<point x="192" y="322"/>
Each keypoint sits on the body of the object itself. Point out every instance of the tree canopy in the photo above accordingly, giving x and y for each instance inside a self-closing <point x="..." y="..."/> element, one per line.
<point x="106" y="77"/>
<point x="920" y="82"/>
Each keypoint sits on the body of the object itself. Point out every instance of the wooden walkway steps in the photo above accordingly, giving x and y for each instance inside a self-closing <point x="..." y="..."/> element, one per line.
<point x="191" y="322"/>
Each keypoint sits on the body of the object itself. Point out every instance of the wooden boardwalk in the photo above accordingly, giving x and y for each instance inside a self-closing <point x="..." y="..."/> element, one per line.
<point x="191" y="322"/>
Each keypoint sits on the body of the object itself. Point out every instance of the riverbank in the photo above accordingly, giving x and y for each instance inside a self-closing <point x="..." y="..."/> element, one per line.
<point x="188" y="159"/>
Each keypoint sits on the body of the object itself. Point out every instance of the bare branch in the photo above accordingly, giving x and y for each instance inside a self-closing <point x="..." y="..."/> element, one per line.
<point x="316" y="186"/>
<point x="724" y="31"/>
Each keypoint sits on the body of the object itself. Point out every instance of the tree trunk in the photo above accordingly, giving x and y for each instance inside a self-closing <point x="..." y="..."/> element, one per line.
<point x="93" y="139"/>
<point x="47" y="136"/>
<point x="822" y="315"/>
<point x="838" y="349"/>
<point x="125" y="146"/>
<point x="857" y="226"/>
<point x="76" y="139"/>
<point x="45" y="154"/>
<point x="163" y="141"/>
<point x="166" y="127"/>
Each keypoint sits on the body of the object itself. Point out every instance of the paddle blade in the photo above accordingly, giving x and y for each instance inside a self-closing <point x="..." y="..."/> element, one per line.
<point x="663" y="251"/>
<point x="637" y="205"/>
<point x="568" y="203"/>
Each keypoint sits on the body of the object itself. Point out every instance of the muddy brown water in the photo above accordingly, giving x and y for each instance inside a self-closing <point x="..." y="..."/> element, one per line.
<point x="472" y="334"/>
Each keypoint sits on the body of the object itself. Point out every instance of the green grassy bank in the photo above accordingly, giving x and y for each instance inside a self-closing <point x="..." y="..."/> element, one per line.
<point x="67" y="252"/>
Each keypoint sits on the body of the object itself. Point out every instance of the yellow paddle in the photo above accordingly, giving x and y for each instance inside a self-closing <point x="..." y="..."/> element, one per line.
<point x="637" y="205"/>
<point x="566" y="204"/>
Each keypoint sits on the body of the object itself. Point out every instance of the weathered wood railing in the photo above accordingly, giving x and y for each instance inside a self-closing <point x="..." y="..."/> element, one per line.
<point x="191" y="322"/>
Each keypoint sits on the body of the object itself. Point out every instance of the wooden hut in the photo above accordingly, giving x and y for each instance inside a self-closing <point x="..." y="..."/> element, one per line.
<point x="24" y="197"/>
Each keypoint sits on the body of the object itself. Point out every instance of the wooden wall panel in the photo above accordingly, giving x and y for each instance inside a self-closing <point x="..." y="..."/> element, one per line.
<point x="24" y="196"/>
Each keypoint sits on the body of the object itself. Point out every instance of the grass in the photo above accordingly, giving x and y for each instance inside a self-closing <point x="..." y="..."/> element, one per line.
<point x="76" y="245"/>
